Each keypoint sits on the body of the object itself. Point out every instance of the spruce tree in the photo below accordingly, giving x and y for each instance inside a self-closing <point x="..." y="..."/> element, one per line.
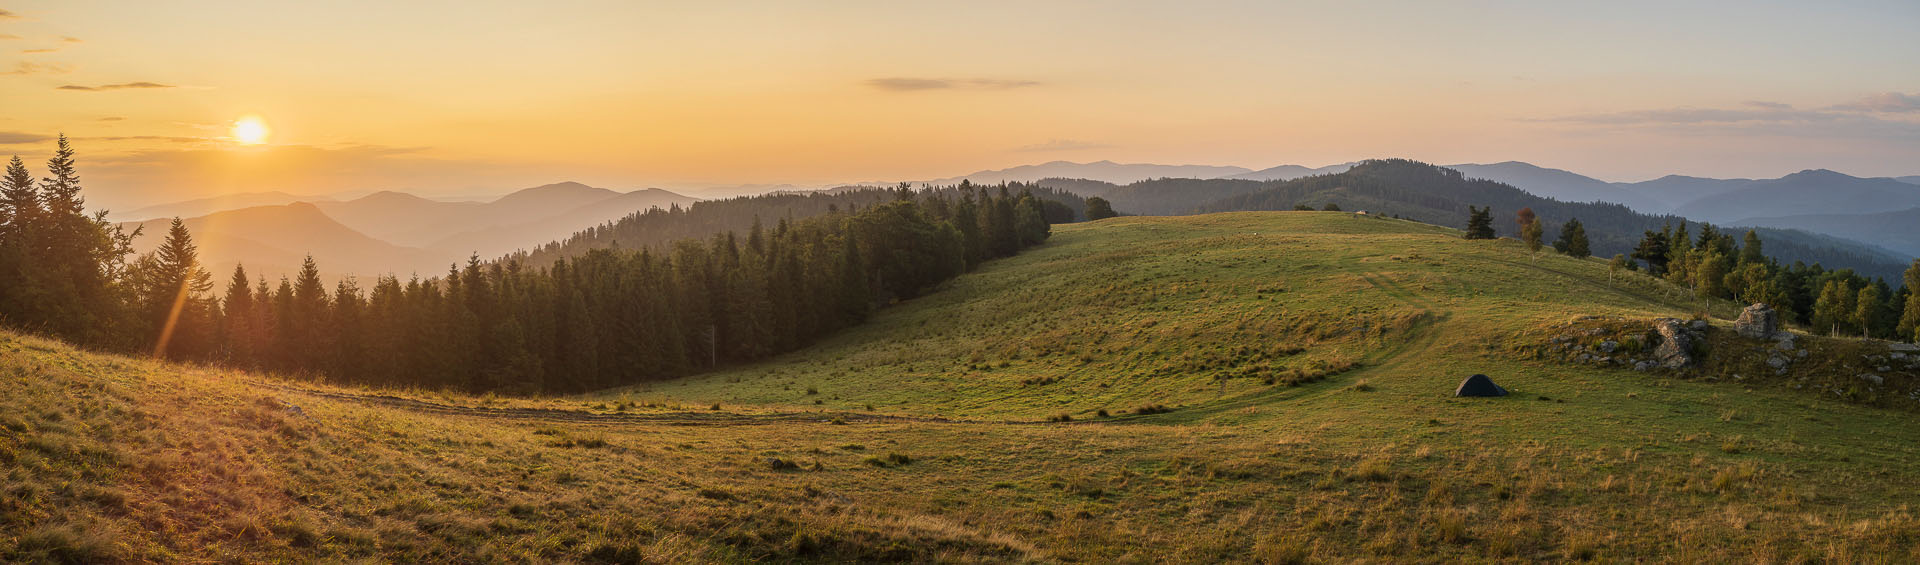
<point x="171" y="292"/>
<point x="236" y="328"/>
<point x="1573" y="239"/>
<point x="1750" y="249"/>
<point x="1480" y="223"/>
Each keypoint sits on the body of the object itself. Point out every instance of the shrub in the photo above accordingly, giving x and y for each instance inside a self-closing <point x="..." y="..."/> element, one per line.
<point x="1151" y="409"/>
<point x="1063" y="417"/>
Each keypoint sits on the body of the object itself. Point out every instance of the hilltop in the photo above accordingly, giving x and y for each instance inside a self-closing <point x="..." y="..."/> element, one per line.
<point x="1275" y="386"/>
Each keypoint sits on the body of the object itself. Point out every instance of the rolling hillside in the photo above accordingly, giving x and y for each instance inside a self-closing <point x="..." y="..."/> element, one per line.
<point x="1275" y="387"/>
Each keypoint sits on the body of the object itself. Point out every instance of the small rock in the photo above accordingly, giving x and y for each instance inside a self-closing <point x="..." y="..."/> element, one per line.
<point x="1883" y="369"/>
<point x="1697" y="325"/>
<point x="1801" y="354"/>
<point x="1785" y="345"/>
<point x="1643" y="366"/>
<point x="1875" y="379"/>
<point x="1608" y="346"/>
<point x="1778" y="362"/>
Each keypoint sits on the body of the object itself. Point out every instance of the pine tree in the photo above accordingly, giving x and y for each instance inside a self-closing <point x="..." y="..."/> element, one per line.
<point x="1099" y="209"/>
<point x="1573" y="240"/>
<point x="1654" y="250"/>
<point x="170" y="288"/>
<point x="20" y="229"/>
<point x="1480" y="223"/>
<point x="236" y="328"/>
<point x="1750" y="250"/>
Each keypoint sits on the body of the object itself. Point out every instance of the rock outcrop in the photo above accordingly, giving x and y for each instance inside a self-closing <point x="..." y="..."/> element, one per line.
<point x="1676" y="344"/>
<point x="1758" y="321"/>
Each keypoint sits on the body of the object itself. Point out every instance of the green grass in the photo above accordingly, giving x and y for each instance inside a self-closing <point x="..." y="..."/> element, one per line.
<point x="1354" y="451"/>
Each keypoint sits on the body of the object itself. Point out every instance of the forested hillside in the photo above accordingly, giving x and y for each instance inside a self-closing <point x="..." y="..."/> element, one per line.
<point x="690" y="295"/>
<point x="701" y="219"/>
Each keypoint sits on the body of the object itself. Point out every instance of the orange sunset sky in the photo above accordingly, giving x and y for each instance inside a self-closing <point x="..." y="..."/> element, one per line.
<point x="471" y="98"/>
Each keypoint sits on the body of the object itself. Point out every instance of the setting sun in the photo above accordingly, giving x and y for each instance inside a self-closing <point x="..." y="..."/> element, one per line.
<point x="250" y="130"/>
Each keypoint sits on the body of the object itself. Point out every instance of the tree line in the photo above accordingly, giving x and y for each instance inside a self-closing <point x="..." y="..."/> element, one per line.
<point x="604" y="317"/>
<point x="1716" y="266"/>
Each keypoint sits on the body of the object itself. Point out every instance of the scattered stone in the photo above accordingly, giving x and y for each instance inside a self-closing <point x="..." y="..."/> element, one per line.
<point x="1643" y="366"/>
<point x="1758" y="321"/>
<point x="1785" y="344"/>
<point x="1778" y="362"/>
<point x="1907" y="347"/>
<point x="1801" y="354"/>
<point x="1608" y="346"/>
<point x="1698" y="325"/>
<point x="1875" y="379"/>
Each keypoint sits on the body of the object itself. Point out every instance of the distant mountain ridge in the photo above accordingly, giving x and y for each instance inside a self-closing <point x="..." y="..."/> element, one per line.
<point x="398" y="233"/>
<point x="1104" y="171"/>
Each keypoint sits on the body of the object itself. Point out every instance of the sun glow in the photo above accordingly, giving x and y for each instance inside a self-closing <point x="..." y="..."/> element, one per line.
<point x="250" y="130"/>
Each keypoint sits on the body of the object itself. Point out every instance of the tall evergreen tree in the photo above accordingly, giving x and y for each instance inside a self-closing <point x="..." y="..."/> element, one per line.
<point x="236" y="327"/>
<point x="170" y="288"/>
<point x="1573" y="240"/>
<point x="1654" y="251"/>
<point x="1480" y="223"/>
<point x="1750" y="250"/>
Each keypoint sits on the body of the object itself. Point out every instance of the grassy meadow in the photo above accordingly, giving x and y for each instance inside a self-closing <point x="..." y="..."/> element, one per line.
<point x="1258" y="387"/>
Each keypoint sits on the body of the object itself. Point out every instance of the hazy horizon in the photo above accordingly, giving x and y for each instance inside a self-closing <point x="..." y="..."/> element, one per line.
<point x="173" y="102"/>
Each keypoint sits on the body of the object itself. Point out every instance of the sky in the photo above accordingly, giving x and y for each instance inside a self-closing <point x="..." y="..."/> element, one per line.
<point x="476" y="97"/>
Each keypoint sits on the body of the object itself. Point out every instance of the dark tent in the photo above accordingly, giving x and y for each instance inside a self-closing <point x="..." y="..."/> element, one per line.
<point x="1479" y="385"/>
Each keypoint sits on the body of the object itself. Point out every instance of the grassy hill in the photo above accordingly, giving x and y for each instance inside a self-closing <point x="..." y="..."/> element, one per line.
<point x="1298" y="369"/>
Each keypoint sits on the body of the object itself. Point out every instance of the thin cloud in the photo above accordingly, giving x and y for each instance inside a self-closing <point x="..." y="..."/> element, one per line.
<point x="47" y="50"/>
<point x="30" y="68"/>
<point x="8" y="36"/>
<point x="914" y="84"/>
<point x="121" y="86"/>
<point x="71" y="39"/>
<point x="111" y="119"/>
<point x="6" y="15"/>
<point x="1884" y="102"/>
<point x="168" y="138"/>
<point x="16" y="138"/>
<point x="1872" y="118"/>
<point x="1061" y="145"/>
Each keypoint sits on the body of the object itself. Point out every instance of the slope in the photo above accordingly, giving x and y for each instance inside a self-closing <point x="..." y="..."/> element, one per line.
<point x="117" y="459"/>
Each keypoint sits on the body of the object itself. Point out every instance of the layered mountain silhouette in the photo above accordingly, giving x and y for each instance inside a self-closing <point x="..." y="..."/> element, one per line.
<point x="221" y="203"/>
<point x="394" y="232"/>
